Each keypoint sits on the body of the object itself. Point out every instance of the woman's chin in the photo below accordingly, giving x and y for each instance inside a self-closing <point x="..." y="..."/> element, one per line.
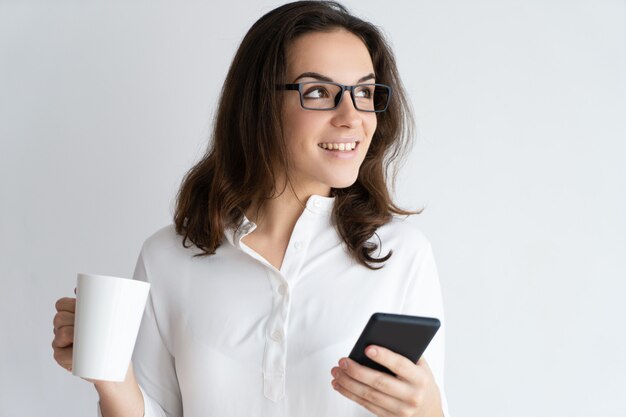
<point x="344" y="182"/>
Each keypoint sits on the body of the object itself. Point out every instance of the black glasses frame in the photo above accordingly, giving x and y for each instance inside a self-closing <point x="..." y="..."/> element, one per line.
<point x="339" y="96"/>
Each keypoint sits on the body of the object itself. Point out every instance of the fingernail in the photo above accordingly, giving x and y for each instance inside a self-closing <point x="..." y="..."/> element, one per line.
<point x="333" y="372"/>
<point x="372" y="352"/>
<point x="343" y="363"/>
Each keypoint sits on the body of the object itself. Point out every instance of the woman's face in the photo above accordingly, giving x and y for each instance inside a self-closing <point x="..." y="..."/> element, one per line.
<point x="341" y="57"/>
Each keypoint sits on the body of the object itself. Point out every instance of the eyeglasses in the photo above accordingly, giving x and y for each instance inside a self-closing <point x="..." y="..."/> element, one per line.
<point x="321" y="95"/>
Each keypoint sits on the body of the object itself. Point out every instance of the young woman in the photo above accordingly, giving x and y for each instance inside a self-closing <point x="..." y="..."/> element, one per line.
<point x="285" y="241"/>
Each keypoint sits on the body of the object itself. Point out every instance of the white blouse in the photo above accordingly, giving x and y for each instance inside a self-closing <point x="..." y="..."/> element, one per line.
<point x="230" y="335"/>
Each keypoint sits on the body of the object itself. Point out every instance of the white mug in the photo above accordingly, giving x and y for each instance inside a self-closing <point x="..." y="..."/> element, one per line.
<point x="107" y="318"/>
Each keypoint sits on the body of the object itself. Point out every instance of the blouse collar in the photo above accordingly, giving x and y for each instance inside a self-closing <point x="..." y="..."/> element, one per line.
<point x="316" y="204"/>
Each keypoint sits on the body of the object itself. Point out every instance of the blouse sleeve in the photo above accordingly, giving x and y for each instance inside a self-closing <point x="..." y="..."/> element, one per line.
<point x="153" y="363"/>
<point x="423" y="298"/>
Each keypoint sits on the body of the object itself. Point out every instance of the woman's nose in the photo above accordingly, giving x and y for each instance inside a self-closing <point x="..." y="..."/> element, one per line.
<point x="346" y="113"/>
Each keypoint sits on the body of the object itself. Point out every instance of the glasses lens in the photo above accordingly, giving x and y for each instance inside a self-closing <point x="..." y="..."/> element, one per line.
<point x="319" y="95"/>
<point x="371" y="97"/>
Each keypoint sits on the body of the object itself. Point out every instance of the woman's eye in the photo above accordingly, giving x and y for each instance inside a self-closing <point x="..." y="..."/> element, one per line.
<point x="364" y="93"/>
<point x="316" y="92"/>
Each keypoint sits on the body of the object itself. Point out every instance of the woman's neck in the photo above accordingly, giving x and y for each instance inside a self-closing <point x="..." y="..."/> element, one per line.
<point x="276" y="217"/>
<point x="275" y="220"/>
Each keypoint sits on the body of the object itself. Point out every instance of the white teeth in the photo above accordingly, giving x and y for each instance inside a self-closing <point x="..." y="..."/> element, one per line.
<point x="338" y="146"/>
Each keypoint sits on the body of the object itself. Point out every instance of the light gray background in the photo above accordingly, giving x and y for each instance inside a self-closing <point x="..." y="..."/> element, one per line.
<point x="520" y="162"/>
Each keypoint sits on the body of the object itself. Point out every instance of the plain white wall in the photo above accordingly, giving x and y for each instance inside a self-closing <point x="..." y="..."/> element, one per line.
<point x="519" y="160"/>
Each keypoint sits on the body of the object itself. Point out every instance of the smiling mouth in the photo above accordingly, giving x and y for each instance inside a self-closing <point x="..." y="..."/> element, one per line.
<point x="340" y="147"/>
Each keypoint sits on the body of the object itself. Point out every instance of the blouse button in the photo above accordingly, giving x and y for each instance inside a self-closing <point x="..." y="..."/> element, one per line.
<point x="282" y="289"/>
<point x="277" y="335"/>
<point x="317" y="203"/>
<point x="298" y="245"/>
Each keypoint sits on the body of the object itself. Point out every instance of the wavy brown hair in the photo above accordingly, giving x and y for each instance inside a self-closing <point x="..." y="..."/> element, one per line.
<point x="247" y="154"/>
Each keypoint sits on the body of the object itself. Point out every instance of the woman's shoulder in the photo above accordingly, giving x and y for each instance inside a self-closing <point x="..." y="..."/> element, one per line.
<point x="164" y="235"/>
<point x="402" y="230"/>
<point x="164" y="240"/>
<point x="404" y="239"/>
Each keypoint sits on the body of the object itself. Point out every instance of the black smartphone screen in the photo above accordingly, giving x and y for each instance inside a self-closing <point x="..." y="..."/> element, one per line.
<point x="406" y="335"/>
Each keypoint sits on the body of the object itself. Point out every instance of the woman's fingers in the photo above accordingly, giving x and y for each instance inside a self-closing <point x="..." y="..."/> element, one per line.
<point x="66" y="304"/>
<point x="63" y="356"/>
<point x="63" y="337"/>
<point x="61" y="319"/>
<point x="63" y="342"/>
<point x="372" y="398"/>
<point x="374" y="383"/>
<point x="404" y="368"/>
<point x="375" y="409"/>
<point x="63" y="346"/>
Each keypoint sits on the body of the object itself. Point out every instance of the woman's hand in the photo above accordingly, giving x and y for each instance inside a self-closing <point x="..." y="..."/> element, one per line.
<point x="63" y="341"/>
<point x="412" y="393"/>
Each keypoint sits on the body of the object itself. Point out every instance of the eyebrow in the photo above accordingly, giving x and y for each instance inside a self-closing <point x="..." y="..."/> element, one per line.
<point x="325" y="78"/>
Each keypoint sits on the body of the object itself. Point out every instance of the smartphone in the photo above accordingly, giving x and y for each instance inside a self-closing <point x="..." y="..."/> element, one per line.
<point x="408" y="336"/>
